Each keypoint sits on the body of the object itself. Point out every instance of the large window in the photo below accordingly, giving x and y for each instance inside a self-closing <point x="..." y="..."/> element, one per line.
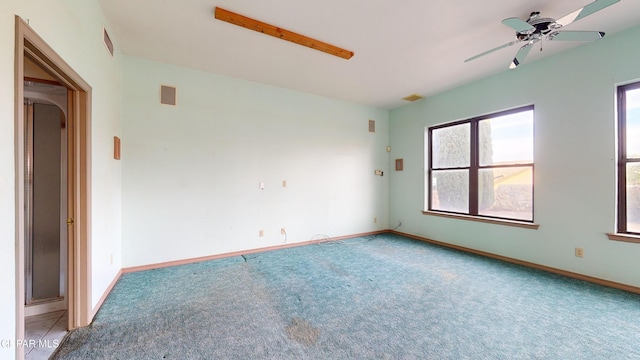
<point x="483" y="166"/>
<point x="629" y="159"/>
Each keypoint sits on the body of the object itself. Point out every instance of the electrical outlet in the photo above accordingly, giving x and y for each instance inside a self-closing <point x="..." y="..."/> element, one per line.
<point x="283" y="231"/>
<point x="261" y="233"/>
<point x="580" y="252"/>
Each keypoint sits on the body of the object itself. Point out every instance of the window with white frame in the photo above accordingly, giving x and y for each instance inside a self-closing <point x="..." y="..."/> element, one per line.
<point x="483" y="166"/>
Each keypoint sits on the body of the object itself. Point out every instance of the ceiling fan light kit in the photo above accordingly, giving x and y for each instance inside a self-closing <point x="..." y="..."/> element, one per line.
<point x="537" y="28"/>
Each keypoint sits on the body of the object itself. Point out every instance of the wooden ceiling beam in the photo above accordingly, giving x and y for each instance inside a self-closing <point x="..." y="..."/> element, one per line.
<point x="259" y="26"/>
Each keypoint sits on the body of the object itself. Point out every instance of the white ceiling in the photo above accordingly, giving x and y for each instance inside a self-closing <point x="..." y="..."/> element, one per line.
<point x="401" y="47"/>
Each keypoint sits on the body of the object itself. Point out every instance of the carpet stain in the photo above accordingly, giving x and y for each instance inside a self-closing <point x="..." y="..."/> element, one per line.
<point x="301" y="331"/>
<point x="331" y="266"/>
<point x="448" y="275"/>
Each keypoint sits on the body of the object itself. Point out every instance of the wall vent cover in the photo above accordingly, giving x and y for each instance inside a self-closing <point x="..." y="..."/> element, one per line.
<point x="108" y="42"/>
<point x="399" y="164"/>
<point x="372" y="126"/>
<point x="167" y="95"/>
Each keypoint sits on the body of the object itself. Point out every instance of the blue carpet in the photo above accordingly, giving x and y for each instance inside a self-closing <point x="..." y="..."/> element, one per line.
<point x="386" y="297"/>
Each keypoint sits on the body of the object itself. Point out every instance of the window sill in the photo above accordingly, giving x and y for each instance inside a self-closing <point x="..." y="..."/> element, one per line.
<point x="624" y="237"/>
<point x="515" y="223"/>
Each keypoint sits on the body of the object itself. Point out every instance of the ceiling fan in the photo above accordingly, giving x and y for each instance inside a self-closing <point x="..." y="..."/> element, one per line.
<point x="536" y="28"/>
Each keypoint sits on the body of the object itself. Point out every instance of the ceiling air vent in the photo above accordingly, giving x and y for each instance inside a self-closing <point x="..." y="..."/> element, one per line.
<point x="107" y="41"/>
<point x="414" y="97"/>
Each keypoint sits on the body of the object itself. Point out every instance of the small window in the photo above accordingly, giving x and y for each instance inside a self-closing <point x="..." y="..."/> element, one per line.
<point x="629" y="159"/>
<point x="483" y="166"/>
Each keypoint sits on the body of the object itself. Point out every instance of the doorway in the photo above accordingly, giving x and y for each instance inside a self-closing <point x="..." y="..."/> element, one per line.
<point x="75" y="184"/>
<point x="45" y="164"/>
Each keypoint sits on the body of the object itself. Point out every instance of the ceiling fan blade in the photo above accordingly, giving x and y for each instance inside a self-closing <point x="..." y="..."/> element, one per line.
<point x="492" y="50"/>
<point x="585" y="11"/>
<point x="575" y="35"/>
<point x="522" y="53"/>
<point x="518" y="25"/>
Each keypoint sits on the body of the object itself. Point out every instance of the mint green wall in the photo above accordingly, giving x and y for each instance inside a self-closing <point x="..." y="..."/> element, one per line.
<point x="575" y="182"/>
<point x="74" y="30"/>
<point x="191" y="173"/>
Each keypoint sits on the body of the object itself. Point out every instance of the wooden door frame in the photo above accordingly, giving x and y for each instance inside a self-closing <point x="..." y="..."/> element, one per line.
<point x="78" y="177"/>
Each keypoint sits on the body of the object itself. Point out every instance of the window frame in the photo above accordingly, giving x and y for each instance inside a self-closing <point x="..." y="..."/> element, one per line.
<point x="474" y="169"/>
<point x="623" y="160"/>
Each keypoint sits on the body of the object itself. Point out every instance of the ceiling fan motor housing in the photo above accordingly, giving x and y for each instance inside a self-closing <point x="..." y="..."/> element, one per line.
<point x="541" y="26"/>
